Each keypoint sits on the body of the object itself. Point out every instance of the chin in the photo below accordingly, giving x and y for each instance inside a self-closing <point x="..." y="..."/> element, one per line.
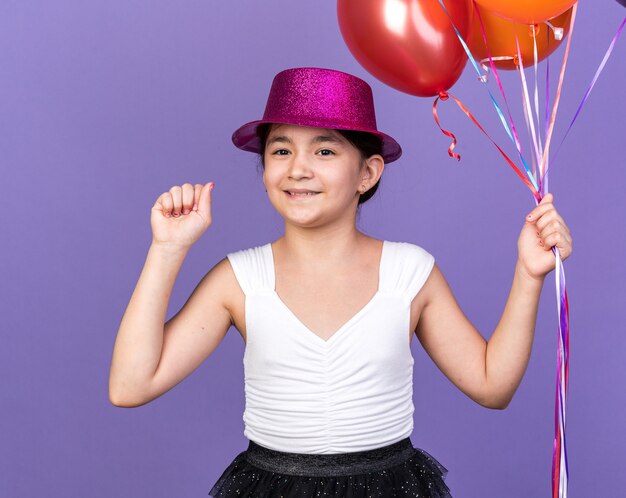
<point x="301" y="218"/>
<point x="302" y="221"/>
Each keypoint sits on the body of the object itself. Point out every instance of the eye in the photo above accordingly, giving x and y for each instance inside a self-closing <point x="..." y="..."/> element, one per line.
<point x="279" y="152"/>
<point x="330" y="152"/>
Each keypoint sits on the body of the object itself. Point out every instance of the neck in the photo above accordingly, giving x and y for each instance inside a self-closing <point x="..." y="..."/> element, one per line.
<point x="321" y="246"/>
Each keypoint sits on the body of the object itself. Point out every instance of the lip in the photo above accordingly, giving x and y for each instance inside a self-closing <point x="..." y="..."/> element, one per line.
<point x="300" y="191"/>
<point x="300" y="194"/>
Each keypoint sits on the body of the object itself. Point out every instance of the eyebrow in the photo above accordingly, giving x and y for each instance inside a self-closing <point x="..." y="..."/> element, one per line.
<point x="316" y="140"/>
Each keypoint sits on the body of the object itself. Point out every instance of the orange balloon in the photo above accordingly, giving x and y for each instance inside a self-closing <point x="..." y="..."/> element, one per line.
<point x="527" y="11"/>
<point x="501" y="39"/>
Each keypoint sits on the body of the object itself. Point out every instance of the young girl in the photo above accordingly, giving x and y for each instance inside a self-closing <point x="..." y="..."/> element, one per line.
<point x="327" y="313"/>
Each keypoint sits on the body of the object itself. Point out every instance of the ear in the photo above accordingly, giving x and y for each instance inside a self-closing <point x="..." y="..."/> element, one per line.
<point x="372" y="170"/>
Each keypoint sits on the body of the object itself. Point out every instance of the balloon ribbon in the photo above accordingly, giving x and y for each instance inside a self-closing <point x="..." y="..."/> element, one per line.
<point x="559" y="457"/>
<point x="595" y="78"/>
<point x="443" y="95"/>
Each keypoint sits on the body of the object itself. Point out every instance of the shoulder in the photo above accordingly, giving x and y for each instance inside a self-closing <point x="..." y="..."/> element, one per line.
<point x="220" y="284"/>
<point x="407" y="267"/>
<point x="244" y="261"/>
<point x="436" y="289"/>
<point x="410" y="249"/>
<point x="220" y="280"/>
<point x="246" y="253"/>
<point x="222" y="277"/>
<point x="410" y="257"/>
<point x="252" y="267"/>
<point x="427" y="272"/>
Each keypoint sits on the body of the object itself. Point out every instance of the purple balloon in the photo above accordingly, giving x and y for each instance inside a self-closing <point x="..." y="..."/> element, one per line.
<point x="622" y="2"/>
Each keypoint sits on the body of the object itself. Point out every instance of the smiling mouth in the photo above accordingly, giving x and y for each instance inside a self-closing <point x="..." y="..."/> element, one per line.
<point x="300" y="194"/>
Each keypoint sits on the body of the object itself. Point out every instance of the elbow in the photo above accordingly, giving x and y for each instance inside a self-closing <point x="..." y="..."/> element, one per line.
<point x="116" y="400"/>
<point x="120" y="403"/>
<point x="496" y="396"/>
<point x="122" y="400"/>
<point x="500" y="405"/>
<point x="496" y="402"/>
<point x="125" y="403"/>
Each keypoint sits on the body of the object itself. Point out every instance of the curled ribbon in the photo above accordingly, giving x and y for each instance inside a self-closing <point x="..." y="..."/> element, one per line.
<point x="443" y="95"/>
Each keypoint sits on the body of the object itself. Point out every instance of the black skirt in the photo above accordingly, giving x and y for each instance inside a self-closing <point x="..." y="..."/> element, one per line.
<point x="396" y="470"/>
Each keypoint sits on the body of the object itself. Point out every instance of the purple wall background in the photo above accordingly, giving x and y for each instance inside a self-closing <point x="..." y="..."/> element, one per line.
<point x="107" y="104"/>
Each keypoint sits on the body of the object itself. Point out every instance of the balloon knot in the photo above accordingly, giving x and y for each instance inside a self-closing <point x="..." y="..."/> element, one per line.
<point x="534" y="30"/>
<point x="558" y="32"/>
<point x="443" y="95"/>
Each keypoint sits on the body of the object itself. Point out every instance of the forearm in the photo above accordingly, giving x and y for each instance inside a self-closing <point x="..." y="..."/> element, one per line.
<point x="508" y="350"/>
<point x="139" y="341"/>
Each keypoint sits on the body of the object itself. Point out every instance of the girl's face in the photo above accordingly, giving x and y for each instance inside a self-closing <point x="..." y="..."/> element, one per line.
<point x="313" y="175"/>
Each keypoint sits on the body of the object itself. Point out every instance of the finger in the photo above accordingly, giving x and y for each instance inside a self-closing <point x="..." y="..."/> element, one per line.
<point x="197" y="190"/>
<point x="564" y="234"/>
<point x="556" y="220"/>
<point x="204" y="203"/>
<point x="543" y="207"/>
<point x="555" y="239"/>
<point x="549" y="197"/>
<point x="549" y="218"/>
<point x="164" y="204"/>
<point x="187" y="197"/>
<point x="552" y="236"/>
<point x="552" y="226"/>
<point x="177" y="200"/>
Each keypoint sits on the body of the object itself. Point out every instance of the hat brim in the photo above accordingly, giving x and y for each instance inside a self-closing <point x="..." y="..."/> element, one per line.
<point x="246" y="138"/>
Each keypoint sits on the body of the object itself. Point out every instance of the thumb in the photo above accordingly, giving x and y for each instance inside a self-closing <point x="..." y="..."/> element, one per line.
<point x="204" y="203"/>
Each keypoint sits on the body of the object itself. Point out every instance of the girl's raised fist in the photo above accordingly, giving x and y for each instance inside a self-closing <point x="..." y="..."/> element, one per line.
<point x="180" y="216"/>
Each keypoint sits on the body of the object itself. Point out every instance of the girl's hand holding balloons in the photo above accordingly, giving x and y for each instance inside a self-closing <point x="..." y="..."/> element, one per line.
<point x="544" y="228"/>
<point x="181" y="215"/>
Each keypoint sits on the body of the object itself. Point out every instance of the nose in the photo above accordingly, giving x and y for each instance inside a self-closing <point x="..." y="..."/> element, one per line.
<point x="298" y="167"/>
